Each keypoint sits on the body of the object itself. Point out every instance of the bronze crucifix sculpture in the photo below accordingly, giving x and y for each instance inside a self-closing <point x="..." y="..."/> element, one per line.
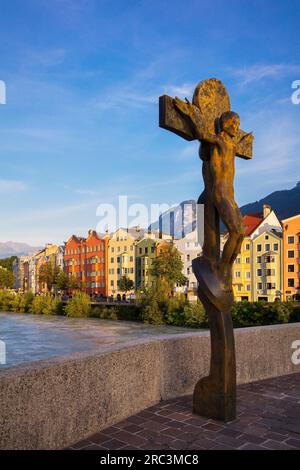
<point x="209" y="120"/>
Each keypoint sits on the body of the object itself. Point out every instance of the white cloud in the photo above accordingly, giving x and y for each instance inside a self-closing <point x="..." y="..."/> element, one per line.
<point x="257" y="72"/>
<point x="185" y="90"/>
<point x="12" y="186"/>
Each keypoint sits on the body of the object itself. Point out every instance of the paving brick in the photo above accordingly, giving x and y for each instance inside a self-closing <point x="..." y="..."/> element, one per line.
<point x="268" y="418"/>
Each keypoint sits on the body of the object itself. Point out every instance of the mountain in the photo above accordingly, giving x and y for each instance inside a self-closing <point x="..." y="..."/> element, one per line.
<point x="182" y="218"/>
<point x="285" y="203"/>
<point x="178" y="220"/>
<point x="16" y="249"/>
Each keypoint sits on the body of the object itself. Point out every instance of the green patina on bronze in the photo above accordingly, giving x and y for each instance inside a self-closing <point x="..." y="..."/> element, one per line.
<point x="209" y="119"/>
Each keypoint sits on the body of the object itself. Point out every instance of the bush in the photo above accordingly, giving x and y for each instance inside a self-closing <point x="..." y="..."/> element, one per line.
<point x="295" y="315"/>
<point x="6" y="300"/>
<point x="46" y="305"/>
<point x="105" y="313"/>
<point x="195" y="315"/>
<point x="260" y="313"/>
<point x="22" y="302"/>
<point x="79" y="305"/>
<point x="174" y="310"/>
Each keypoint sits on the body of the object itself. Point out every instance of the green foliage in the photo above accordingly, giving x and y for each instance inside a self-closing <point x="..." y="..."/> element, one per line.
<point x="22" y="302"/>
<point x="6" y="300"/>
<point x="79" y="305"/>
<point x="195" y="315"/>
<point x="295" y="315"/>
<point x="8" y="262"/>
<point x="168" y="266"/>
<point x="126" y="284"/>
<point x="6" y="279"/>
<point x="260" y="313"/>
<point x="151" y="307"/>
<point x="105" y="313"/>
<point x="48" y="273"/>
<point x="45" y="305"/>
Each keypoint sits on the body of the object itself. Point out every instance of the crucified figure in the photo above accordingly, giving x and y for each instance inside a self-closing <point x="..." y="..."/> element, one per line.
<point x="222" y="170"/>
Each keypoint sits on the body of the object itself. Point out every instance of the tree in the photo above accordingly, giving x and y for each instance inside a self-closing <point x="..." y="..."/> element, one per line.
<point x="47" y="274"/>
<point x="126" y="284"/>
<point x="8" y="262"/>
<point x="168" y="267"/>
<point x="62" y="281"/>
<point x="6" y="279"/>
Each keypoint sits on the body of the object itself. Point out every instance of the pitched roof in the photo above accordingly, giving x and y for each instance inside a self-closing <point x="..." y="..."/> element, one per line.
<point x="251" y="222"/>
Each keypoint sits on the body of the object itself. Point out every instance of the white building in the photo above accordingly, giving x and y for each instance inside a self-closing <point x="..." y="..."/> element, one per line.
<point x="189" y="248"/>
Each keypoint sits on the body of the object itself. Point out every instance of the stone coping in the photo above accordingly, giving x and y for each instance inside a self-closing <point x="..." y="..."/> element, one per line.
<point x="52" y="403"/>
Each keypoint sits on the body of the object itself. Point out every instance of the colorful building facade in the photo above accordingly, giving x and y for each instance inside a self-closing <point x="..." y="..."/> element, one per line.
<point x="291" y="258"/>
<point x="85" y="260"/>
<point x="121" y="259"/>
<point x="189" y="248"/>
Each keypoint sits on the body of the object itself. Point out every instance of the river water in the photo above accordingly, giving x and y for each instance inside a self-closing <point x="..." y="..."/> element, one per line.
<point x="34" y="337"/>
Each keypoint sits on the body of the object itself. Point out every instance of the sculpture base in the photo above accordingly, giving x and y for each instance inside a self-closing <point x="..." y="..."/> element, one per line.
<point x="211" y="401"/>
<point x="215" y="395"/>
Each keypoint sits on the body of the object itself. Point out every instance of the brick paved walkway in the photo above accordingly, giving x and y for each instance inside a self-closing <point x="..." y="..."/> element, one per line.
<point x="268" y="418"/>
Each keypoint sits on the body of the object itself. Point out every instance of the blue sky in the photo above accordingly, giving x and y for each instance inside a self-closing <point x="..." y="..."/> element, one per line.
<point x="83" y="77"/>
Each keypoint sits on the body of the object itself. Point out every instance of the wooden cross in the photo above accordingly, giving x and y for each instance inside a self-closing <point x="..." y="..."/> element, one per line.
<point x="214" y="395"/>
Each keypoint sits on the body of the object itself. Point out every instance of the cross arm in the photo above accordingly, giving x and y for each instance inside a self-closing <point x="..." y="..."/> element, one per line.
<point x="174" y="121"/>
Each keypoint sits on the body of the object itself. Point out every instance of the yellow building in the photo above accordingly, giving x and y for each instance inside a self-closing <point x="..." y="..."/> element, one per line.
<point x="252" y="279"/>
<point x="121" y="258"/>
<point x="241" y="273"/>
<point x="267" y="266"/>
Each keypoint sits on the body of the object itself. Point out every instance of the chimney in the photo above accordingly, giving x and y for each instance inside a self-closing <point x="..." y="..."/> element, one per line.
<point x="266" y="210"/>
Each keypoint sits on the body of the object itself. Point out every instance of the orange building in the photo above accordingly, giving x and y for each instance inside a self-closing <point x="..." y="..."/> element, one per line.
<point x="86" y="260"/>
<point x="291" y="258"/>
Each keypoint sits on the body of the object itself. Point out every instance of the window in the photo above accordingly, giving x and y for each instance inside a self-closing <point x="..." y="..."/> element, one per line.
<point x="131" y="259"/>
<point x="125" y="248"/>
<point x="268" y="246"/>
<point x="291" y="282"/>
<point x="188" y="271"/>
<point x="270" y="285"/>
<point x="146" y="250"/>
<point x="291" y="268"/>
<point x="258" y="247"/>
<point x="259" y="259"/>
<point x="247" y="260"/>
<point x="239" y="288"/>
<point x="247" y="246"/>
<point x="140" y="251"/>
<point x="266" y="237"/>
<point x="152" y="249"/>
<point x="237" y="274"/>
<point x="275" y="247"/>
<point x="291" y="239"/>
<point x="118" y="259"/>
<point x="112" y="283"/>
<point x="248" y="287"/>
<point x="259" y="272"/>
<point x="291" y="254"/>
<point x="238" y="261"/>
<point x="111" y="260"/>
<point x="248" y="274"/>
<point x="112" y="249"/>
<point x="259" y="285"/>
<point x="188" y="257"/>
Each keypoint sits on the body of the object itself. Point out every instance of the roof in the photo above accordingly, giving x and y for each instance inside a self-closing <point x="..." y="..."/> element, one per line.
<point x="251" y="222"/>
